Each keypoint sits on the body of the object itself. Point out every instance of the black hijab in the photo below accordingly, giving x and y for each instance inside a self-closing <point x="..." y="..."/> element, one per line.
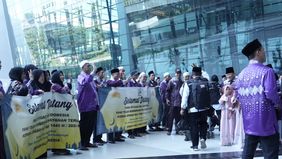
<point x="16" y="74"/>
<point x="36" y="84"/>
<point x="56" y="78"/>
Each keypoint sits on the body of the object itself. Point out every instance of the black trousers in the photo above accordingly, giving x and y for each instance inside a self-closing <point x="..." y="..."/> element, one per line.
<point x="96" y="138"/>
<point x="270" y="146"/>
<point x="165" y="115"/>
<point x="174" y="113"/>
<point x="87" y="125"/>
<point x="199" y="125"/>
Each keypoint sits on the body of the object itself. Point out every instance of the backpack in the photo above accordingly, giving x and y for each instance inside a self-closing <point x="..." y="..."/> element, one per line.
<point x="199" y="96"/>
<point x="214" y="93"/>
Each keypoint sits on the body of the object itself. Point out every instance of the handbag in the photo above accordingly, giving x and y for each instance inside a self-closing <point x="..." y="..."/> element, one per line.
<point x="183" y="124"/>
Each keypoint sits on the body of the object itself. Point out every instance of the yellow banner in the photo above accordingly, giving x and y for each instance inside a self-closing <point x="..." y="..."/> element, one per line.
<point x="128" y="108"/>
<point x="41" y="122"/>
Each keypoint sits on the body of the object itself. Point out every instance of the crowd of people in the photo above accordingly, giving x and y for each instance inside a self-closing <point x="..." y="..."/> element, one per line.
<point x="251" y="98"/>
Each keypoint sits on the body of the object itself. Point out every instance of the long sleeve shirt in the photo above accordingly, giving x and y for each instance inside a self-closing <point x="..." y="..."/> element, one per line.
<point x="133" y="83"/>
<point x="59" y="89"/>
<point x="115" y="83"/>
<point x="163" y="87"/>
<point x="184" y="99"/>
<point x="87" y="98"/>
<point x="172" y="92"/>
<point x="257" y="93"/>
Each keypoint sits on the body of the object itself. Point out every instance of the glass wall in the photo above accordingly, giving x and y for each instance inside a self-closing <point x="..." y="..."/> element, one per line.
<point x="60" y="34"/>
<point x="210" y="33"/>
<point x="146" y="35"/>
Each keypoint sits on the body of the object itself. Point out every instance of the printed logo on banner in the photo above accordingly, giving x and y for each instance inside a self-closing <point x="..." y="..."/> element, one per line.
<point x="36" y="124"/>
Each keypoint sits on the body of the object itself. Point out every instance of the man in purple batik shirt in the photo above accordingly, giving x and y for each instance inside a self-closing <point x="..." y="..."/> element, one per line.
<point x="257" y="93"/>
<point x="87" y="100"/>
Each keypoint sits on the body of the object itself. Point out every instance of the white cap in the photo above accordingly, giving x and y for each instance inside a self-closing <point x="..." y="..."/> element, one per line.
<point x="186" y="74"/>
<point x="166" y="74"/>
<point x="120" y="68"/>
<point x="142" y="74"/>
<point x="82" y="63"/>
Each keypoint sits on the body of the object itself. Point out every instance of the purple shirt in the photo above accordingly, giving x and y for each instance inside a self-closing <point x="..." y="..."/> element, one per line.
<point x="87" y="98"/>
<point x="163" y="86"/>
<point x="257" y="93"/>
<point x="172" y="93"/>
<point x="114" y="83"/>
<point x="59" y="89"/>
<point x="133" y="83"/>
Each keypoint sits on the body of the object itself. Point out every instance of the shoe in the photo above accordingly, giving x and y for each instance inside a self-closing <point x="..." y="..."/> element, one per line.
<point x="151" y="128"/>
<point x="101" y="141"/>
<point x="61" y="152"/>
<point x="120" y="140"/>
<point x="168" y="133"/>
<point x="203" y="144"/>
<point x="83" y="148"/>
<point x="111" y="141"/>
<point x="131" y="136"/>
<point x="211" y="128"/>
<point x="91" y="145"/>
<point x="194" y="148"/>
<point x="186" y="139"/>
<point x="122" y="137"/>
<point x="137" y="135"/>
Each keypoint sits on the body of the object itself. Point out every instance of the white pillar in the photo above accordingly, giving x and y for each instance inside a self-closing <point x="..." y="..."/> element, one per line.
<point x="5" y="49"/>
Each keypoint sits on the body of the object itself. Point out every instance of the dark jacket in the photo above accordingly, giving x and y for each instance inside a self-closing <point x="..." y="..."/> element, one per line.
<point x="17" y="86"/>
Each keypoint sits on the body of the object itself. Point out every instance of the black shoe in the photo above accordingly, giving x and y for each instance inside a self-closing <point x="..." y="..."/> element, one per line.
<point x="186" y="139"/>
<point x="61" y="152"/>
<point x="119" y="140"/>
<point x="131" y="136"/>
<point x="122" y="137"/>
<point x="83" y="148"/>
<point x="91" y="145"/>
<point x="137" y="135"/>
<point x="168" y="133"/>
<point x="111" y="141"/>
<point x="101" y="142"/>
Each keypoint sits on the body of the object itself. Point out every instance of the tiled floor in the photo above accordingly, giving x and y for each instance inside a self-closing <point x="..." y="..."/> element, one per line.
<point x="157" y="145"/>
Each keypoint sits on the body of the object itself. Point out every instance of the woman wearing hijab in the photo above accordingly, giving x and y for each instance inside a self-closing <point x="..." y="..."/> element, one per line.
<point x="17" y="86"/>
<point x="39" y="84"/>
<point x="58" y="86"/>
<point x="58" y="83"/>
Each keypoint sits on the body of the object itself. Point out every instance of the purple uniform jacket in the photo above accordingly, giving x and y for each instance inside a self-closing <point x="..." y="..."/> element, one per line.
<point x="87" y="98"/>
<point x="257" y="93"/>
<point x="172" y="92"/>
<point x="163" y="86"/>
<point x="132" y="83"/>
<point x="114" y="83"/>
<point x="59" y="89"/>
